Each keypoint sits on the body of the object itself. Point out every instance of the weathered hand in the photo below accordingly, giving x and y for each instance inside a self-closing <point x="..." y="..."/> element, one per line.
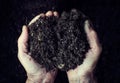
<point x="35" y="72"/>
<point x="83" y="72"/>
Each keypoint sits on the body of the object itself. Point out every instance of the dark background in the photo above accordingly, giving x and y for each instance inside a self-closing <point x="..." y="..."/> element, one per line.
<point x="105" y="15"/>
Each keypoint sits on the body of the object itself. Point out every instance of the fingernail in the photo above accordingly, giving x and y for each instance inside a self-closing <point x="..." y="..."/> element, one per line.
<point x="55" y="13"/>
<point x="49" y="13"/>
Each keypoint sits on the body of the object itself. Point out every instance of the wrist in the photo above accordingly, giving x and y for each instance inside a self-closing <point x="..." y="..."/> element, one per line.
<point x="39" y="81"/>
<point x="40" y="78"/>
<point x="86" y="74"/>
<point x="87" y="78"/>
<point x="83" y="78"/>
<point x="34" y="79"/>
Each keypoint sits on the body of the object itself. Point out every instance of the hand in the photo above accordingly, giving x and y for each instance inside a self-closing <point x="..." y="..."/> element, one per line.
<point x="84" y="72"/>
<point x="35" y="72"/>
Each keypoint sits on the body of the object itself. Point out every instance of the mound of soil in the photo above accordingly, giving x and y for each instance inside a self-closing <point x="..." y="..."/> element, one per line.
<point x="59" y="42"/>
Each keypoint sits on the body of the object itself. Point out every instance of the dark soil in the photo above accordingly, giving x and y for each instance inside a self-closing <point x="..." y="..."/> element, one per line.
<point x="59" y="42"/>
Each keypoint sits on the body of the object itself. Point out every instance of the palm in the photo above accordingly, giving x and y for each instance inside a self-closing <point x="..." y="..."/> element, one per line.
<point x="92" y="55"/>
<point x="31" y="66"/>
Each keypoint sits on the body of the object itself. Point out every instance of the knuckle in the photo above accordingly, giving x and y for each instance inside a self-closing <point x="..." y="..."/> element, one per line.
<point x="19" y="40"/>
<point x="98" y="49"/>
<point x="93" y="33"/>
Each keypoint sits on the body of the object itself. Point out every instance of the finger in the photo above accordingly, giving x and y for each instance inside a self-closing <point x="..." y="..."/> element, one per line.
<point x="87" y="27"/>
<point x="37" y="17"/>
<point x="55" y="14"/>
<point x="88" y="31"/>
<point x="49" y="13"/>
<point x="22" y="41"/>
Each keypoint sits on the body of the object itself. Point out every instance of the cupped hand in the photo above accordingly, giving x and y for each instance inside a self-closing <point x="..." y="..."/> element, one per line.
<point x="84" y="73"/>
<point x="35" y="72"/>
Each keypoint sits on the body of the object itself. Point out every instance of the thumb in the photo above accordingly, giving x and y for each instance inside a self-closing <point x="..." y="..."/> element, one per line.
<point x="24" y="34"/>
<point x="23" y="39"/>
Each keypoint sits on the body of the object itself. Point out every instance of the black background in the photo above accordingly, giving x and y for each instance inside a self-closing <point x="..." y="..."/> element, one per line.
<point x="105" y="15"/>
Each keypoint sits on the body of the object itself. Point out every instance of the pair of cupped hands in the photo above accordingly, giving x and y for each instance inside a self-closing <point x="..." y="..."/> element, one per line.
<point x="37" y="74"/>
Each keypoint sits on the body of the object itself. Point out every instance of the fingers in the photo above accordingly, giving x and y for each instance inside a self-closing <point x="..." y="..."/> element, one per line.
<point x="48" y="14"/>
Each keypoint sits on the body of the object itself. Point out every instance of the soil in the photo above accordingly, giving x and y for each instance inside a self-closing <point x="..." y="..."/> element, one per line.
<point x="59" y="42"/>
